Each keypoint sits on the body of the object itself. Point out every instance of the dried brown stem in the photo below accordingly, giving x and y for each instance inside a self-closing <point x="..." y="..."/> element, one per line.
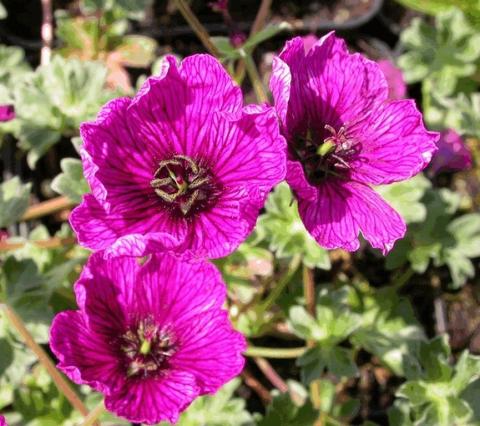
<point x="256" y="386"/>
<point x="197" y="27"/>
<point x="47" y="32"/>
<point x="47" y="207"/>
<point x="62" y="385"/>
<point x="50" y="243"/>
<point x="309" y="293"/>
<point x="257" y="26"/>
<point x="270" y="373"/>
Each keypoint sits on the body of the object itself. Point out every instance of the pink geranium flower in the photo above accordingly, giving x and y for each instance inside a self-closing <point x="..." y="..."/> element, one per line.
<point x="397" y="89"/>
<point x="3" y="422"/>
<point x="182" y="166"/>
<point x="151" y="338"/>
<point x="452" y="155"/>
<point x="344" y="135"/>
<point x="7" y="113"/>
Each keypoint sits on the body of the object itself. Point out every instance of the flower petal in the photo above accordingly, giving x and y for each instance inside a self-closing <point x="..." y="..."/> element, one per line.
<point x="394" y="144"/>
<point x="116" y="163"/>
<point x="151" y="401"/>
<point x="135" y="234"/>
<point x="176" y="291"/>
<point x="171" y="110"/>
<point x="211" y="350"/>
<point x="343" y="209"/>
<point x="85" y="357"/>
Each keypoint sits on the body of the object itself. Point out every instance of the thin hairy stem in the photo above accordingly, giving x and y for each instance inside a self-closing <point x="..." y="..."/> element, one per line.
<point x="62" y="385"/>
<point x="197" y="27"/>
<point x="47" y="32"/>
<point x="258" y="24"/>
<point x="282" y="283"/>
<point x="270" y="373"/>
<point x="47" y="207"/>
<point x="279" y="353"/>
<point x="309" y="294"/>
<point x="251" y="381"/>
<point x="255" y="79"/>
<point x="94" y="414"/>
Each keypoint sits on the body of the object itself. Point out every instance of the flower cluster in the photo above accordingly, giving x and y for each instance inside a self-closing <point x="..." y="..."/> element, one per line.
<point x="179" y="174"/>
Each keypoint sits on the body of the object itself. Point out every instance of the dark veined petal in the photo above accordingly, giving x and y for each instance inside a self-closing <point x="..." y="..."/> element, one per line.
<point x="394" y="144"/>
<point x="344" y="209"/>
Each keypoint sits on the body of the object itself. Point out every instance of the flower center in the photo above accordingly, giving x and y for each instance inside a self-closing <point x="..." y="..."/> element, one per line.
<point x="146" y="348"/>
<point x="330" y="157"/>
<point x="184" y="186"/>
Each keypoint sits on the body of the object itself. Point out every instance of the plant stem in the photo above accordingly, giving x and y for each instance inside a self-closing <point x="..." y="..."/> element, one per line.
<point x="255" y="78"/>
<point x="309" y="294"/>
<point x="45" y="360"/>
<point x="46" y="207"/>
<point x="47" y="32"/>
<point x="197" y="27"/>
<point x="257" y="26"/>
<point x="50" y="243"/>
<point x="252" y="382"/>
<point x="94" y="414"/>
<point x="282" y="283"/>
<point x="279" y="353"/>
<point x="261" y="17"/>
<point x="271" y="374"/>
<point x="403" y="279"/>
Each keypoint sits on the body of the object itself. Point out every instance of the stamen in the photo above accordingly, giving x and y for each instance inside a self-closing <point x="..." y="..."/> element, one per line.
<point x="183" y="184"/>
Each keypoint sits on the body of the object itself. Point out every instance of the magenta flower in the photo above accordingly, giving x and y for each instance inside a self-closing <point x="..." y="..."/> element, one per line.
<point x="7" y="113"/>
<point x="309" y="41"/>
<point x="182" y="166"/>
<point x="452" y="155"/>
<point x="397" y="89"/>
<point x="343" y="136"/>
<point x="151" y="338"/>
<point x="3" y="422"/>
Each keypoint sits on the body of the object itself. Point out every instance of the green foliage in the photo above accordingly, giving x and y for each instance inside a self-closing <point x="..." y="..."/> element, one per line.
<point x="281" y="227"/>
<point x="132" y="9"/>
<point x="342" y="411"/>
<point x="71" y="182"/>
<point x="3" y="11"/>
<point x="434" y="387"/>
<point x="54" y="100"/>
<point x="440" y="54"/>
<point x="333" y="324"/>
<point x="14" y="197"/>
<point x="229" y="52"/>
<point x="441" y="237"/>
<point x="287" y="411"/>
<point x="405" y="197"/>
<point x="388" y="327"/>
<point x="221" y="409"/>
<point x="470" y="7"/>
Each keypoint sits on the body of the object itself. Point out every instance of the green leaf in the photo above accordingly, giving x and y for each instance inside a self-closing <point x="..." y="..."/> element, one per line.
<point x="3" y="11"/>
<point x="405" y="197"/>
<point x="14" y="198"/>
<point x="71" y="182"/>
<point x="221" y="409"/>
<point x="12" y="64"/>
<point x="265" y="34"/>
<point x="285" y="412"/>
<point x="136" y="51"/>
<point x="52" y="102"/>
<point x="388" y="327"/>
<point x="281" y="227"/>
<point x="227" y="51"/>
<point x="441" y="54"/>
<point x="434" y="390"/>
